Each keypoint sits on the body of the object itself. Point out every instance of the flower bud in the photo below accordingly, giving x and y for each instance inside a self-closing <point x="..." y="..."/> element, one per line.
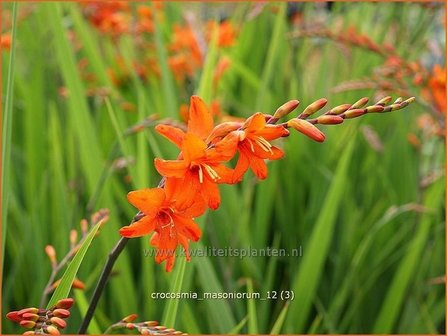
<point x="27" y="324"/>
<point x="151" y="323"/>
<point x="62" y="313"/>
<point x="84" y="226"/>
<point x="13" y="316"/>
<point x="52" y="330"/>
<point x="130" y="326"/>
<point x="30" y="317"/>
<point x="31" y="310"/>
<point x="375" y="109"/>
<point x="354" y="113"/>
<point x="73" y="237"/>
<point x="340" y="109"/>
<point x="285" y="109"/>
<point x="307" y="128"/>
<point x="57" y="321"/>
<point x="130" y="318"/>
<point x="78" y="284"/>
<point x="65" y="303"/>
<point x="312" y="108"/>
<point x="384" y="101"/>
<point x="360" y="103"/>
<point x="399" y="100"/>
<point x="329" y="120"/>
<point x="51" y="253"/>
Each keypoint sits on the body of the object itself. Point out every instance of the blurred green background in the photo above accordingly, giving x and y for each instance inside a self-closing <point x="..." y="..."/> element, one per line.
<point x="367" y="205"/>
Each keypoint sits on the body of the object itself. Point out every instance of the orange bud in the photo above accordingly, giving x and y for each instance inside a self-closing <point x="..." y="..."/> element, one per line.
<point x="375" y="109"/>
<point x="51" y="253"/>
<point x="340" y="109"/>
<point x="73" y="237"/>
<point x="57" y="321"/>
<point x="27" y="324"/>
<point x="31" y="310"/>
<point x="285" y="109"/>
<point x="384" y="101"/>
<point x="78" y="284"/>
<point x="160" y="328"/>
<point x="223" y="129"/>
<point x="30" y="317"/>
<point x="52" y="330"/>
<point x="314" y="107"/>
<point x="130" y="318"/>
<point x="360" y="103"/>
<point x="307" y="128"/>
<point x="84" y="226"/>
<point x="29" y="332"/>
<point x="329" y="120"/>
<point x="65" y="303"/>
<point x="354" y="113"/>
<point x="13" y="316"/>
<point x="144" y="331"/>
<point x="130" y="326"/>
<point x="62" y="313"/>
<point x="151" y="323"/>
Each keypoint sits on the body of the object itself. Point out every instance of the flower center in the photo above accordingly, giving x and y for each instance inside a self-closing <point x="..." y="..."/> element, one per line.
<point x="261" y="142"/>
<point x="210" y="171"/>
<point x="164" y="219"/>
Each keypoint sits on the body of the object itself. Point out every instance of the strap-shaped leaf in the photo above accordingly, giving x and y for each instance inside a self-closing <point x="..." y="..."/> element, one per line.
<point x="63" y="289"/>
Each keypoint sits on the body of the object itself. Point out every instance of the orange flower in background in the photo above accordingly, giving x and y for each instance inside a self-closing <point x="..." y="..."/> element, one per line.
<point x="108" y="16"/>
<point x="185" y="41"/>
<point x="199" y="167"/>
<point x="226" y="33"/>
<point x="6" y="41"/>
<point x="254" y="146"/>
<point x="171" y="220"/>
<point x="437" y="86"/>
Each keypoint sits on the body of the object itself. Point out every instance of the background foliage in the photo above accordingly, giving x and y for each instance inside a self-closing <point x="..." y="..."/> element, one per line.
<point x="373" y="238"/>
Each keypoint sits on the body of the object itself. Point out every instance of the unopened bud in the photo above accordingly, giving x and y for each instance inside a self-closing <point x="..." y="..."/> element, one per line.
<point x="285" y="109"/>
<point x="329" y="120"/>
<point x="62" y="313"/>
<point x="151" y="323"/>
<point x="340" y="109"/>
<point x="360" y="103"/>
<point x="31" y="310"/>
<point x="384" y="101"/>
<point x="30" y="317"/>
<point x="65" y="303"/>
<point x="144" y="331"/>
<point x="307" y="128"/>
<point x="223" y="129"/>
<point x="13" y="316"/>
<point x="354" y="113"/>
<point x="57" y="321"/>
<point x="73" y="237"/>
<point x="410" y="100"/>
<point x="130" y="326"/>
<point x="51" y="253"/>
<point x="160" y="328"/>
<point x="84" y="226"/>
<point x="78" y="284"/>
<point x="29" y="332"/>
<point x="312" y="108"/>
<point x="399" y="100"/>
<point x="52" y="330"/>
<point x="375" y="109"/>
<point x="27" y="324"/>
<point x="130" y="318"/>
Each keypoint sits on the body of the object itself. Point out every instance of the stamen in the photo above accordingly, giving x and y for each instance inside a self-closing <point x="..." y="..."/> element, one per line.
<point x="251" y="145"/>
<point x="264" y="144"/>
<point x="211" y="172"/>
<point x="200" y="174"/>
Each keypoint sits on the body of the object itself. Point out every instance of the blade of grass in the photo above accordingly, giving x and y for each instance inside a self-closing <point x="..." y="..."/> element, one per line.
<point x="306" y="281"/>
<point x="170" y="313"/>
<point x="82" y="304"/>
<point x="276" y="329"/>
<point x="63" y="290"/>
<point x="7" y="131"/>
<point x="252" y="317"/>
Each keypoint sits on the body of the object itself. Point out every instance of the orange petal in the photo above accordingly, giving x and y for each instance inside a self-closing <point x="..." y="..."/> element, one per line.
<point x="196" y="208"/>
<point x="148" y="201"/>
<point x="171" y="168"/>
<point x="200" y="119"/>
<point x="185" y="244"/>
<point x="255" y="123"/>
<point x="258" y="167"/>
<point x="225" y="149"/>
<point x="173" y="134"/>
<point x="271" y="132"/>
<point x="241" y="167"/>
<point x="193" y="147"/>
<point x="187" y="227"/>
<point x="184" y="191"/>
<point x="210" y="193"/>
<point x="141" y="228"/>
<point x="225" y="174"/>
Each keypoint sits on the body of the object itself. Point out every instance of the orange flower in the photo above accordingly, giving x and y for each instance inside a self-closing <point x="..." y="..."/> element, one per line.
<point x="199" y="167"/>
<point x="226" y="34"/>
<point x="6" y="41"/>
<point x="171" y="220"/>
<point x="437" y="87"/>
<point x="254" y="146"/>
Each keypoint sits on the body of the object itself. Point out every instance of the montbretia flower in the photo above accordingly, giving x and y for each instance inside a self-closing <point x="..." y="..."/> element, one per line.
<point x="254" y="146"/>
<point x="169" y="216"/>
<point x="199" y="166"/>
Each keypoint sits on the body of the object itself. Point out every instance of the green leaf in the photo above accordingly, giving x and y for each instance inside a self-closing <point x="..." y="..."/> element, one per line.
<point x="280" y="320"/>
<point x="170" y="313"/>
<point x="62" y="291"/>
